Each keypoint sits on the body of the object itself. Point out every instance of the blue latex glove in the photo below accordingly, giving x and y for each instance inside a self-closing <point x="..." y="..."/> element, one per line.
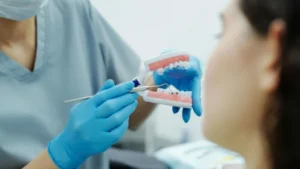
<point x="184" y="80"/>
<point x="94" y="125"/>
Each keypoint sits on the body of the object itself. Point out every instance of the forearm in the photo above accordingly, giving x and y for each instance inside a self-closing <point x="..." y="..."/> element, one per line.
<point x="144" y="109"/>
<point x="42" y="161"/>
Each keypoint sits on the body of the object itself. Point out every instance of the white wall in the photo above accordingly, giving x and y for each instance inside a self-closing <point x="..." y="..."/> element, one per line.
<point x="152" y="26"/>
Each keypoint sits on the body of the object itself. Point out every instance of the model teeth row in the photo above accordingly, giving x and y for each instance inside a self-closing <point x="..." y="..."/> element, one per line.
<point x="183" y="64"/>
<point x="175" y="92"/>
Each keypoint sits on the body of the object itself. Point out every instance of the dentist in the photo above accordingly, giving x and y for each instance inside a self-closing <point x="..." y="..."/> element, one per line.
<point x="53" y="50"/>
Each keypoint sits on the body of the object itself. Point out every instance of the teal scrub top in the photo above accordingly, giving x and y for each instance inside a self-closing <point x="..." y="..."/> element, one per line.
<point x="77" y="51"/>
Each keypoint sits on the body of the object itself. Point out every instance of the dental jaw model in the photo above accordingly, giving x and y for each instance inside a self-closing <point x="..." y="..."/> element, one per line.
<point x="169" y="96"/>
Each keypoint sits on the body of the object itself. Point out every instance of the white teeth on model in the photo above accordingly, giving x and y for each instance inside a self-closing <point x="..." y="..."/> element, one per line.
<point x="160" y="71"/>
<point x="181" y="64"/>
<point x="186" y="64"/>
<point x="171" y="91"/>
<point x="182" y="93"/>
<point x="174" y="92"/>
<point x="160" y="90"/>
<point x="189" y="94"/>
<point x="185" y="94"/>
<point x="176" y="64"/>
<point x="171" y="66"/>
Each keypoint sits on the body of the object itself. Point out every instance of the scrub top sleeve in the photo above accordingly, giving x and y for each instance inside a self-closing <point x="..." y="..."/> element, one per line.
<point x="122" y="63"/>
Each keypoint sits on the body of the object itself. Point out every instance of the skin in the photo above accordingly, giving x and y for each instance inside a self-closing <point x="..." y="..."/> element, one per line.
<point x="18" y="41"/>
<point x="241" y="78"/>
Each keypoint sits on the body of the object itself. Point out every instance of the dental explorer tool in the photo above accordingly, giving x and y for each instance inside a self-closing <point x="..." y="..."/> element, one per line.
<point x="134" y="90"/>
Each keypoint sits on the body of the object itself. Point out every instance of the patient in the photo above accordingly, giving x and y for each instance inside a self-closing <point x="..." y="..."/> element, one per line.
<point x="252" y="85"/>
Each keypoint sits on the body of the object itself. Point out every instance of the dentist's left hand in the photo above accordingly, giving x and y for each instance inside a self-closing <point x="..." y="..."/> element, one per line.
<point x="184" y="80"/>
<point x="94" y="125"/>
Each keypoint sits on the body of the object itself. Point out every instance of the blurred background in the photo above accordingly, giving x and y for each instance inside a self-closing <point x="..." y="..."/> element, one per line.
<point x="150" y="27"/>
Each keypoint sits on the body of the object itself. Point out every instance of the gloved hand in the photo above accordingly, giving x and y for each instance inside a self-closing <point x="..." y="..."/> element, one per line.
<point x="94" y="125"/>
<point x="186" y="80"/>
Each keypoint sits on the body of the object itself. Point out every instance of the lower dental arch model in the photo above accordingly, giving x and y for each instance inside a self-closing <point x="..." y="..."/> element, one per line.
<point x="170" y="96"/>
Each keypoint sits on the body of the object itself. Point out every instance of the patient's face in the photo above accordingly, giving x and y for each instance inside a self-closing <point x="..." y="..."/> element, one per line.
<point x="232" y="99"/>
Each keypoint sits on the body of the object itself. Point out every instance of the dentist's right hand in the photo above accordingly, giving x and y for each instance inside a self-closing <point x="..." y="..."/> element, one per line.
<point x="94" y="125"/>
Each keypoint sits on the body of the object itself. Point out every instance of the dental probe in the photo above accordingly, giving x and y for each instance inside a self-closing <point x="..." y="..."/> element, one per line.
<point x="143" y="88"/>
<point x="134" y="90"/>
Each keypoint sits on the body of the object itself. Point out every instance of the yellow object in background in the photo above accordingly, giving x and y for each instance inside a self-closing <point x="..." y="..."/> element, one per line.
<point x="227" y="158"/>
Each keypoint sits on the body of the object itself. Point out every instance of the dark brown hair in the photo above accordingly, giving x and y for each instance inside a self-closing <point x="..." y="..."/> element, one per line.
<point x="285" y="140"/>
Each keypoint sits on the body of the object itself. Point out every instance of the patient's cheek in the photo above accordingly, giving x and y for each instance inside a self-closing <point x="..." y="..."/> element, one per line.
<point x="209" y="96"/>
